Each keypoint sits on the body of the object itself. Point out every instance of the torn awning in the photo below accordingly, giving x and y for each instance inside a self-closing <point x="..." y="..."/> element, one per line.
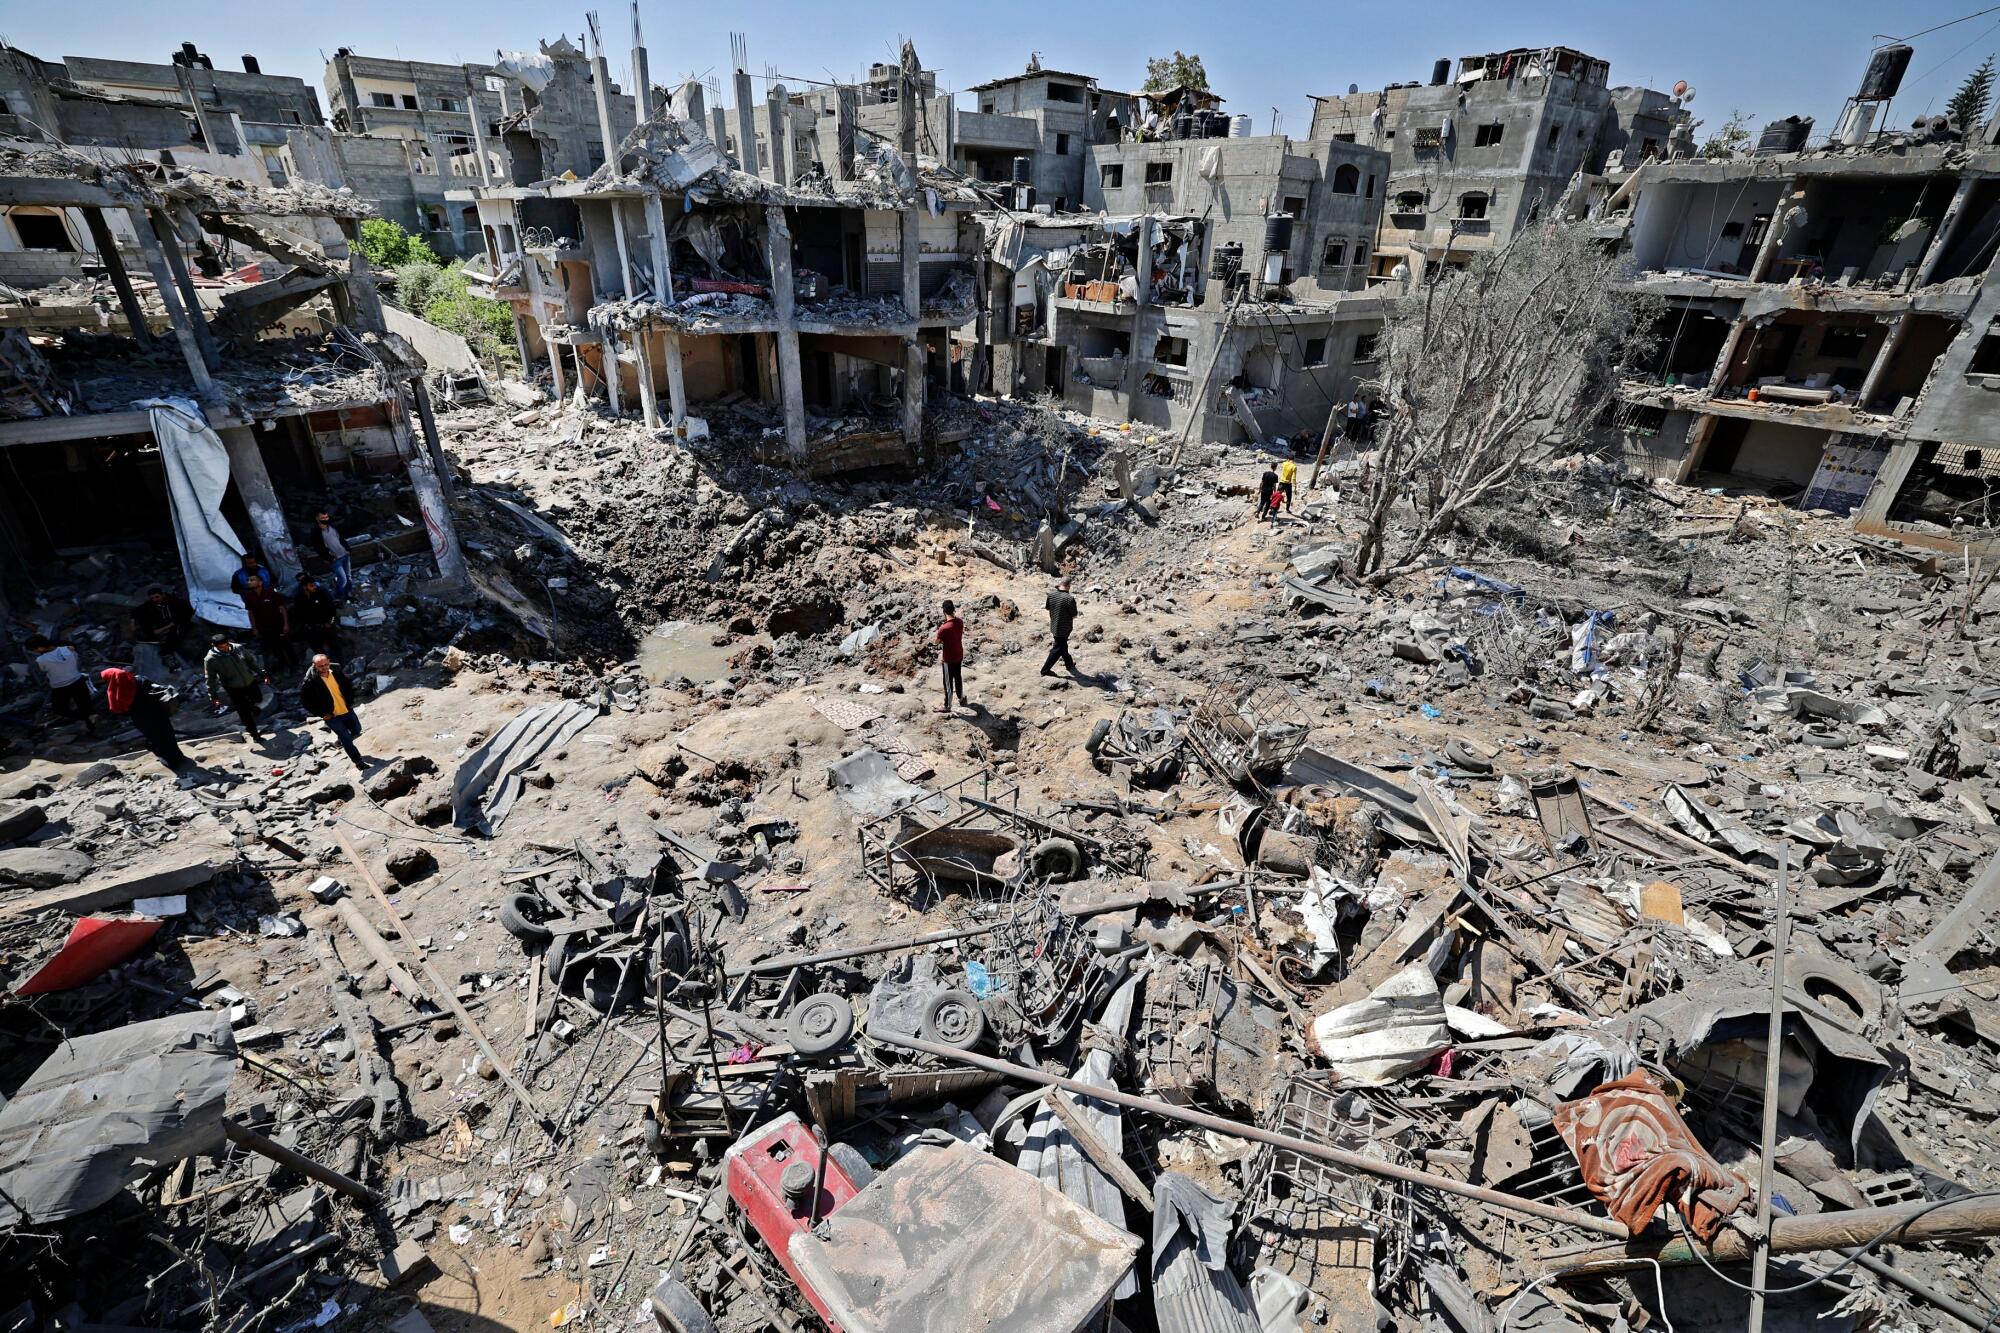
<point x="106" y="1109"/>
<point x="196" y="465"/>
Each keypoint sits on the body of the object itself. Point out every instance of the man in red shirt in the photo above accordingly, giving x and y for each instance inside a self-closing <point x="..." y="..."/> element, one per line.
<point x="951" y="637"/>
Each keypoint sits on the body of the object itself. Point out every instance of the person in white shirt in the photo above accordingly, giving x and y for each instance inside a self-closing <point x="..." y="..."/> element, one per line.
<point x="69" y="692"/>
<point x="342" y="571"/>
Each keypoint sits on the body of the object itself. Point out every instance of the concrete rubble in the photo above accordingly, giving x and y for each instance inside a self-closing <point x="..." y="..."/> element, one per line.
<point x="1591" y="924"/>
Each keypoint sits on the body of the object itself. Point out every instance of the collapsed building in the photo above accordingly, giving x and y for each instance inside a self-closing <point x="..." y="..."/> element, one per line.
<point x="134" y="401"/>
<point x="1827" y="330"/>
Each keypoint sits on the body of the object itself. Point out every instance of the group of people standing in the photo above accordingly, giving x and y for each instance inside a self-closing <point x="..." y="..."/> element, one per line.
<point x="235" y="675"/>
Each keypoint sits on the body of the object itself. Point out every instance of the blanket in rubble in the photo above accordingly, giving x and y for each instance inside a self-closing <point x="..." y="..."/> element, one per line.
<point x="1637" y="1153"/>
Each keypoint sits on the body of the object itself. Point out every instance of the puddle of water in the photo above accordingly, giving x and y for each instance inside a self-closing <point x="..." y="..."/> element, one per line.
<point x="682" y="648"/>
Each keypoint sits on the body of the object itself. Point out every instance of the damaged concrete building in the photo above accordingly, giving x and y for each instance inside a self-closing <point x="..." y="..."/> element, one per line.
<point x="1484" y="150"/>
<point x="168" y="397"/>
<point x="408" y="133"/>
<point x="1829" y="329"/>
<point x="813" y="307"/>
<point x="1221" y="288"/>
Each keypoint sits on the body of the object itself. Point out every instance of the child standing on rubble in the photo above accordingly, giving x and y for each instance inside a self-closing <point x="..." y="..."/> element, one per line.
<point x="950" y="637"/>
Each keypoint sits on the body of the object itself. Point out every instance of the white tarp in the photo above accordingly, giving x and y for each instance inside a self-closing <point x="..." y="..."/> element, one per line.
<point x="1396" y="1030"/>
<point x="197" y="469"/>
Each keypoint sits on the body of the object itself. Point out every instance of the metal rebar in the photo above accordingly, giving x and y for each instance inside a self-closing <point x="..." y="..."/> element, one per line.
<point x="1257" y="1134"/>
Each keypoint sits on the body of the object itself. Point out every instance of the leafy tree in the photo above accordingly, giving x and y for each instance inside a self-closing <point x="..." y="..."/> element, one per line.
<point x="1179" y="70"/>
<point x="1970" y="101"/>
<point x="1731" y="139"/>
<point x="387" y="245"/>
<point x="438" y="293"/>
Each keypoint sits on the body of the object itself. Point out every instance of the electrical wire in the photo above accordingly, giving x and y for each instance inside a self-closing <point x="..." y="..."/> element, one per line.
<point x="1853" y="1257"/>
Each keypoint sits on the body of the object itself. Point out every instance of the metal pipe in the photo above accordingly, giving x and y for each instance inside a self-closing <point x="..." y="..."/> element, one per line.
<point x="300" y="1163"/>
<point x="1774" y="1037"/>
<point x="1304" y="1147"/>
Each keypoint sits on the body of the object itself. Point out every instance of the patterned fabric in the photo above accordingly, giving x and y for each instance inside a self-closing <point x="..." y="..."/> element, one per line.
<point x="1637" y="1154"/>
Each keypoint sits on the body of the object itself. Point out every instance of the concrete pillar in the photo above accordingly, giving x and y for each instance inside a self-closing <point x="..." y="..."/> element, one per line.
<point x="791" y="384"/>
<point x="847" y="110"/>
<point x="982" y="327"/>
<point x="186" y="80"/>
<point x="913" y="390"/>
<point x="478" y="131"/>
<point x="177" y="317"/>
<point x="693" y="99"/>
<point x="556" y="371"/>
<point x="1889" y="479"/>
<point x="656" y="237"/>
<point x="1697" y="447"/>
<point x="428" y="419"/>
<point x="1947" y="228"/>
<point x="521" y="347"/>
<point x="364" y="302"/>
<point x="746" y="125"/>
<point x="1768" y="251"/>
<point x="677" y="396"/>
<point x="778" y="129"/>
<point x="718" y="130"/>
<point x="912" y="255"/>
<point x="906" y="117"/>
<point x="260" y="497"/>
<point x="170" y="246"/>
<point x="1731" y="342"/>
<point x="613" y="392"/>
<point x="649" y="403"/>
<point x="438" y="525"/>
<point x="642" y="78"/>
<point x="601" y="75"/>
<point x="1899" y="329"/>
<point x="121" y="281"/>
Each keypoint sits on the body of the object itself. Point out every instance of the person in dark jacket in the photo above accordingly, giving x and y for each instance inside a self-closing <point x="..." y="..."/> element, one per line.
<point x="235" y="677"/>
<point x="253" y="568"/>
<point x="144" y="704"/>
<point x="313" y="617"/>
<point x="270" y="621"/>
<point x="328" y="695"/>
<point x="1062" y="619"/>
<point x="163" y="620"/>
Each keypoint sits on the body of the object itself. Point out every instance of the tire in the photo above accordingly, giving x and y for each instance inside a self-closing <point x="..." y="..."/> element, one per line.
<point x="820" y="1023"/>
<point x="600" y="984"/>
<point x="552" y="959"/>
<point x="1056" y="859"/>
<point x="850" y="1160"/>
<point x="953" y="1018"/>
<point x="1097" y="735"/>
<point x="523" y="915"/>
<point x="676" y="1310"/>
<point x="672" y="953"/>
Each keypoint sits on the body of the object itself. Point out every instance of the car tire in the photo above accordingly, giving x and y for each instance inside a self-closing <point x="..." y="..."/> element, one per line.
<point x="1056" y="859"/>
<point x="820" y="1023"/>
<point x="676" y="1310"/>
<point x="523" y="915"/>
<point x="953" y="1018"/>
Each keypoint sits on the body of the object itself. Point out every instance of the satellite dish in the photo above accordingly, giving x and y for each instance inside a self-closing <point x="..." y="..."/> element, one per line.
<point x="1681" y="88"/>
<point x="1353" y="88"/>
<point x="1688" y="96"/>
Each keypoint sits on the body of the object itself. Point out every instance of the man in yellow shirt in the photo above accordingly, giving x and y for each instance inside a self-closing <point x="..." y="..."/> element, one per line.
<point x="328" y="695"/>
<point x="1288" y="473"/>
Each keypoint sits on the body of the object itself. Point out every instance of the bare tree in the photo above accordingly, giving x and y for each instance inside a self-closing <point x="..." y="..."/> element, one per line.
<point x="1488" y="369"/>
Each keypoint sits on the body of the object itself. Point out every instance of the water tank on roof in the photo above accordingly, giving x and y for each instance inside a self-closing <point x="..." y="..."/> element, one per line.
<point x="1184" y="124"/>
<point x="1277" y="233"/>
<point x="1784" y="136"/>
<point x="250" y="65"/>
<point x="1885" y="73"/>
<point x="1022" y="173"/>
<point x="1239" y="127"/>
<point x="1440" y="73"/>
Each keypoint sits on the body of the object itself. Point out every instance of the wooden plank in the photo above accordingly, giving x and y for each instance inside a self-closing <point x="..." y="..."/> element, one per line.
<point x="1096" y="1149"/>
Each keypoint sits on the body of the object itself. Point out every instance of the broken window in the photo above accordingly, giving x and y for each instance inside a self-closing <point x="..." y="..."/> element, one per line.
<point x="1472" y="206"/>
<point x="449" y="104"/>
<point x="1555" y="135"/>
<point x="409" y="101"/>
<point x="1335" y="254"/>
<point x="1731" y="230"/>
<point x="1651" y="148"/>
<point x="1159" y="173"/>
<point x="42" y="231"/>
<point x="1360" y="253"/>
<point x="1986" y="356"/>
<point x="1065" y="92"/>
<point x="1171" y="351"/>
<point x="1347" y="179"/>
<point x="1364" y="346"/>
<point x="1410" y="201"/>
<point x="1426" y="142"/>
<point x="1111" y="175"/>
<point x="1062" y="145"/>
<point x="381" y="99"/>
<point x="1315" y="351"/>
<point x="1370" y="193"/>
<point x="1343" y="138"/>
<point x="1295" y="205"/>
<point x="1488" y="135"/>
<point x="985" y="109"/>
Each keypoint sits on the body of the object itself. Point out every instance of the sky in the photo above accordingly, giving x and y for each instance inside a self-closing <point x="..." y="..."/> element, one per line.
<point x="1769" y="59"/>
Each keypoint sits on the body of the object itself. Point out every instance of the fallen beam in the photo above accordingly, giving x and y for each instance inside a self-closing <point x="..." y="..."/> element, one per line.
<point x="300" y="1163"/>
<point x="1373" y="1166"/>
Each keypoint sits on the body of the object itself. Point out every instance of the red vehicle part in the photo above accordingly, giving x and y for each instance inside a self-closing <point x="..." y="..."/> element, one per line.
<point x="770" y="1176"/>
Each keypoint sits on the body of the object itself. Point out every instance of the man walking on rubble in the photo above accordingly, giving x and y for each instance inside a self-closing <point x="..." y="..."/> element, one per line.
<point x="69" y="692"/>
<point x="335" y="546"/>
<point x="950" y="638"/>
<point x="1062" y="619"/>
<point x="1267" y="494"/>
<point x="313" y="617"/>
<point x="235" y="678"/>
<point x="328" y="695"/>
<point x="1288" y="475"/>
<point x="270" y="620"/>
